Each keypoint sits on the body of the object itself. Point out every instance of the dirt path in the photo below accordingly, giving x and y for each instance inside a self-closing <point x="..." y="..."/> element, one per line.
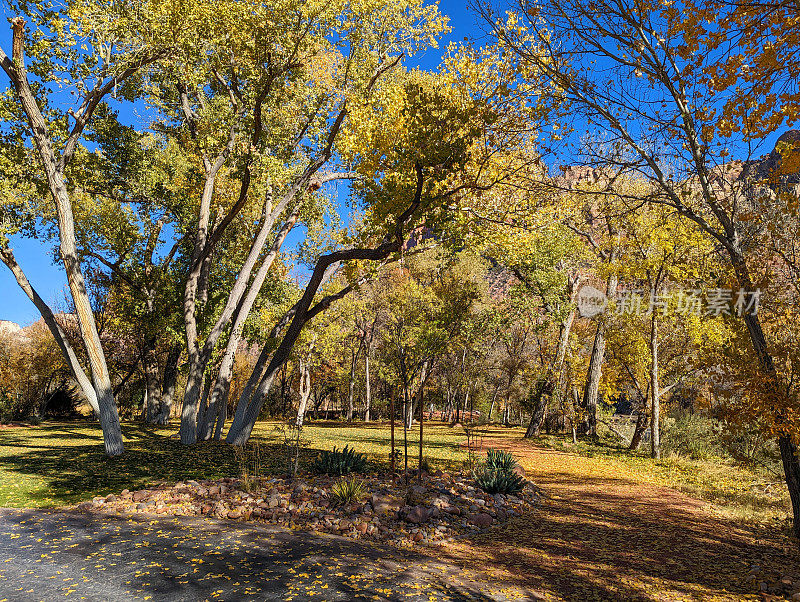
<point x="604" y="536"/>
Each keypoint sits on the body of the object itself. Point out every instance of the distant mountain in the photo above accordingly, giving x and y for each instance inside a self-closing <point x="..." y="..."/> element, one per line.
<point x="9" y="328"/>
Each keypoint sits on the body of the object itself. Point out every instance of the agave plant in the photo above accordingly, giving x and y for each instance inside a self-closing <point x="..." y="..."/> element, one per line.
<point x="347" y="491"/>
<point x="497" y="459"/>
<point x="340" y="462"/>
<point x="499" y="481"/>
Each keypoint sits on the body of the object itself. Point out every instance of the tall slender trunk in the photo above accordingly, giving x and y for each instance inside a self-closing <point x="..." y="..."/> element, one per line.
<point x="491" y="405"/>
<point x="52" y="324"/>
<point x="170" y="380"/>
<point x="576" y="399"/>
<point x="421" y="421"/>
<point x="351" y="392"/>
<point x="305" y="392"/>
<point x="595" y="371"/>
<point x="655" y="410"/>
<point x="787" y="446"/>
<point x="367" y="388"/>
<point x="391" y="434"/>
<point x="152" y="407"/>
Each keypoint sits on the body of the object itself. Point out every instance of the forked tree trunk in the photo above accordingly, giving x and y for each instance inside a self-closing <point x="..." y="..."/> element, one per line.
<point x="54" y="171"/>
<point x="248" y="409"/>
<point x="225" y="373"/>
<point x="556" y="370"/>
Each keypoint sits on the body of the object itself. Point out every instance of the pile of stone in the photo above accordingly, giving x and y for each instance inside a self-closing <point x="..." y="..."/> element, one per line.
<point x="437" y="508"/>
<point x="775" y="586"/>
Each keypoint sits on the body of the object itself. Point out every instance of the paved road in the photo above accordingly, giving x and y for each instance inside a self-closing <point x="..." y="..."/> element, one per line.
<point x="50" y="555"/>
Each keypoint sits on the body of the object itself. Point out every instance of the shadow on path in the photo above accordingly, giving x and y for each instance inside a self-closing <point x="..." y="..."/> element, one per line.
<point x="602" y="536"/>
<point x="45" y="555"/>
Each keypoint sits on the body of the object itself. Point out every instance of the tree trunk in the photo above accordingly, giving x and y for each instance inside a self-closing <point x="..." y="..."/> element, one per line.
<point x="788" y="447"/>
<point x="170" y="379"/>
<point x="223" y="380"/>
<point x="576" y="399"/>
<point x="206" y="413"/>
<point x="222" y="416"/>
<point x="655" y="409"/>
<point x="595" y="371"/>
<point x="593" y="382"/>
<point x="351" y="392"/>
<point x="391" y="422"/>
<point x="194" y="380"/>
<point x="639" y="429"/>
<point x="152" y="409"/>
<point x="791" y="469"/>
<point x="305" y="393"/>
<point x="421" y="421"/>
<point x="542" y="391"/>
<point x="491" y="405"/>
<point x="367" y="389"/>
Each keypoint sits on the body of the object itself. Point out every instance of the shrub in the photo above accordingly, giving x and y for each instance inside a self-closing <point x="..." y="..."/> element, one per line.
<point x="692" y="436"/>
<point x="62" y="403"/>
<point x="347" y="491"/>
<point x="249" y="458"/>
<point x="499" y="481"/>
<point x="13" y="409"/>
<point x="497" y="459"/>
<point x="340" y="462"/>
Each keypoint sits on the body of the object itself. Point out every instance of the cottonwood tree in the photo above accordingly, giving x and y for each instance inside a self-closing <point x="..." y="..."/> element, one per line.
<point x="425" y="142"/>
<point x="96" y="49"/>
<point x="263" y="107"/>
<point x="633" y="71"/>
<point x="663" y="261"/>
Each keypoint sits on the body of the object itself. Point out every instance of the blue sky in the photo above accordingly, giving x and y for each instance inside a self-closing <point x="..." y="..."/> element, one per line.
<point x="36" y="257"/>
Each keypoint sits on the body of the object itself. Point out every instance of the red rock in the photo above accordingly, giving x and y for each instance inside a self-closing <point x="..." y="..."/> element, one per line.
<point x="481" y="520"/>
<point x="141" y="495"/>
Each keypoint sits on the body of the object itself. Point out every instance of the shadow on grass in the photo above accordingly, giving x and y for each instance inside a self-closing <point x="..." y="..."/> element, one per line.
<point x="70" y="461"/>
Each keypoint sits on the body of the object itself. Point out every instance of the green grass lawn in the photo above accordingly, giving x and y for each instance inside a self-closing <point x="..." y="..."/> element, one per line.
<point x="61" y="463"/>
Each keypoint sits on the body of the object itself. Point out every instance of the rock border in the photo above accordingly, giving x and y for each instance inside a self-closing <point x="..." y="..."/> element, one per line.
<point x="437" y="509"/>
